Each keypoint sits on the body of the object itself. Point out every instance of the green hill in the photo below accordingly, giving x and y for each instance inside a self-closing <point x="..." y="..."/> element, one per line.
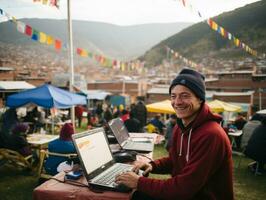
<point x="199" y="41"/>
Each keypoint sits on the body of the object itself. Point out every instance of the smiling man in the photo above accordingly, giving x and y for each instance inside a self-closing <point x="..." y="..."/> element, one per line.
<point x="200" y="160"/>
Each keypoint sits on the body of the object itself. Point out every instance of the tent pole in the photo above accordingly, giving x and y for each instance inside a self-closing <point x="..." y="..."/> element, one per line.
<point x="70" y="51"/>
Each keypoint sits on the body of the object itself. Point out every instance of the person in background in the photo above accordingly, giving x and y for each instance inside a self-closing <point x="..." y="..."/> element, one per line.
<point x="140" y="112"/>
<point x="169" y="131"/>
<point x="99" y="111"/>
<point x="239" y="123"/>
<point x="79" y="114"/>
<point x="256" y="148"/>
<point x="124" y="115"/>
<point x="107" y="113"/>
<point x="18" y="139"/>
<point x="62" y="145"/>
<point x="132" y="124"/>
<point x="200" y="160"/>
<point x="249" y="128"/>
<point x="156" y="121"/>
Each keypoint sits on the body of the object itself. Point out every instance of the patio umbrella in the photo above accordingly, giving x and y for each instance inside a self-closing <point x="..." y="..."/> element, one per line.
<point x="221" y="106"/>
<point x="161" y="107"/>
<point x="46" y="96"/>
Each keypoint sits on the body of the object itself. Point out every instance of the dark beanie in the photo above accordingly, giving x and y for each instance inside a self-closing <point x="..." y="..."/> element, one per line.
<point x="66" y="131"/>
<point x="192" y="80"/>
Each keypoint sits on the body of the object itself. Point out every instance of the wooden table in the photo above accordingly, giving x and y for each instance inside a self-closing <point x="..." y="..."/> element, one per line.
<point x="55" y="190"/>
<point x="40" y="141"/>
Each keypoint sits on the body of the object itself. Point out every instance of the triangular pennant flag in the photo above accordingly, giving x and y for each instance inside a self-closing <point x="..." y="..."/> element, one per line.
<point x="35" y="35"/>
<point x="28" y="30"/>
<point x="57" y="44"/>
<point x="21" y="27"/>
<point x="42" y="38"/>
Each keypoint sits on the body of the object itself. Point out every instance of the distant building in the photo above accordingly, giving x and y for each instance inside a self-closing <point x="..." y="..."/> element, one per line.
<point x="245" y="87"/>
<point x="10" y="87"/>
<point x="133" y="88"/>
<point x="7" y="74"/>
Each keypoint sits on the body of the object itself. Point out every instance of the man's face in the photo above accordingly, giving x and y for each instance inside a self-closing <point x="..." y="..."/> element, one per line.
<point x="185" y="103"/>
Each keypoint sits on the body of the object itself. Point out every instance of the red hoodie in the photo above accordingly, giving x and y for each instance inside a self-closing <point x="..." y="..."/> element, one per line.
<point x="200" y="162"/>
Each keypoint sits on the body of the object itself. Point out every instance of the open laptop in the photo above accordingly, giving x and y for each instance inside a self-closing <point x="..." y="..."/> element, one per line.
<point x="125" y="141"/>
<point x="97" y="161"/>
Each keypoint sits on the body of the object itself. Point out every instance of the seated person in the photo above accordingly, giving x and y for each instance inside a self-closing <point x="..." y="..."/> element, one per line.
<point x="133" y="124"/>
<point x="62" y="145"/>
<point x="156" y="121"/>
<point x="169" y="131"/>
<point x="249" y="128"/>
<point x="239" y="124"/>
<point x="256" y="147"/>
<point x="124" y="115"/>
<point x="18" y="139"/>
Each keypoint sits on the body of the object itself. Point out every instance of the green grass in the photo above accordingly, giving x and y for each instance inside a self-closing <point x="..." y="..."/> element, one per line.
<point x="18" y="185"/>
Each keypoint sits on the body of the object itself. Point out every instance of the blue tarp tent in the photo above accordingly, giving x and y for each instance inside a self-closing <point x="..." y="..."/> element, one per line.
<point x="46" y="96"/>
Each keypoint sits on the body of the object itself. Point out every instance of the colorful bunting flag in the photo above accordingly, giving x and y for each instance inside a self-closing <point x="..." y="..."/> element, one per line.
<point x="49" y="40"/>
<point x="35" y="35"/>
<point x="58" y="44"/>
<point x="28" y="30"/>
<point x="42" y="38"/>
<point x="54" y="3"/>
<point x="21" y="27"/>
<point x="224" y="33"/>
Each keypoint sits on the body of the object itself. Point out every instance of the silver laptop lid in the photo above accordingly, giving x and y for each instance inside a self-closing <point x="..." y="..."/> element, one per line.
<point x="119" y="129"/>
<point x="93" y="151"/>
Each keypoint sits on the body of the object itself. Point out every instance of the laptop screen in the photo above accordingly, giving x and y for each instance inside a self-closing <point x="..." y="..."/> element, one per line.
<point x="93" y="149"/>
<point x="119" y="129"/>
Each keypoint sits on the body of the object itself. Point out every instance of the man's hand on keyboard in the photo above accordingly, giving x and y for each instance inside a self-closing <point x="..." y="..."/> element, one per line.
<point x="146" y="167"/>
<point x="130" y="179"/>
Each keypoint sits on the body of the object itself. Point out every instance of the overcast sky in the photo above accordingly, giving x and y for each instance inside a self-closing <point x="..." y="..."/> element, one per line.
<point x="123" y="12"/>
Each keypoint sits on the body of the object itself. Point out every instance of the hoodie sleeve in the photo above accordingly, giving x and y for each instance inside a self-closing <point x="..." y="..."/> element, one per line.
<point x="162" y="166"/>
<point x="204" y="160"/>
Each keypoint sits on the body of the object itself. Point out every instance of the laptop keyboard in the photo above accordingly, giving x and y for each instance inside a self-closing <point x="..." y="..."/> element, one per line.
<point x="135" y="145"/>
<point x="108" y="177"/>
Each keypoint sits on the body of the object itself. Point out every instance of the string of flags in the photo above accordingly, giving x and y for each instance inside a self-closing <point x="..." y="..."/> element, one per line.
<point x="54" y="3"/>
<point x="175" y="54"/>
<point x="47" y="39"/>
<point x="188" y="62"/>
<point x="136" y="65"/>
<point x="33" y="33"/>
<point x="219" y="29"/>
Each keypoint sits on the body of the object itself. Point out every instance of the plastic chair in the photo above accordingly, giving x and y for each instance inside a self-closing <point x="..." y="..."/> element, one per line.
<point x="44" y="154"/>
<point x="14" y="158"/>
